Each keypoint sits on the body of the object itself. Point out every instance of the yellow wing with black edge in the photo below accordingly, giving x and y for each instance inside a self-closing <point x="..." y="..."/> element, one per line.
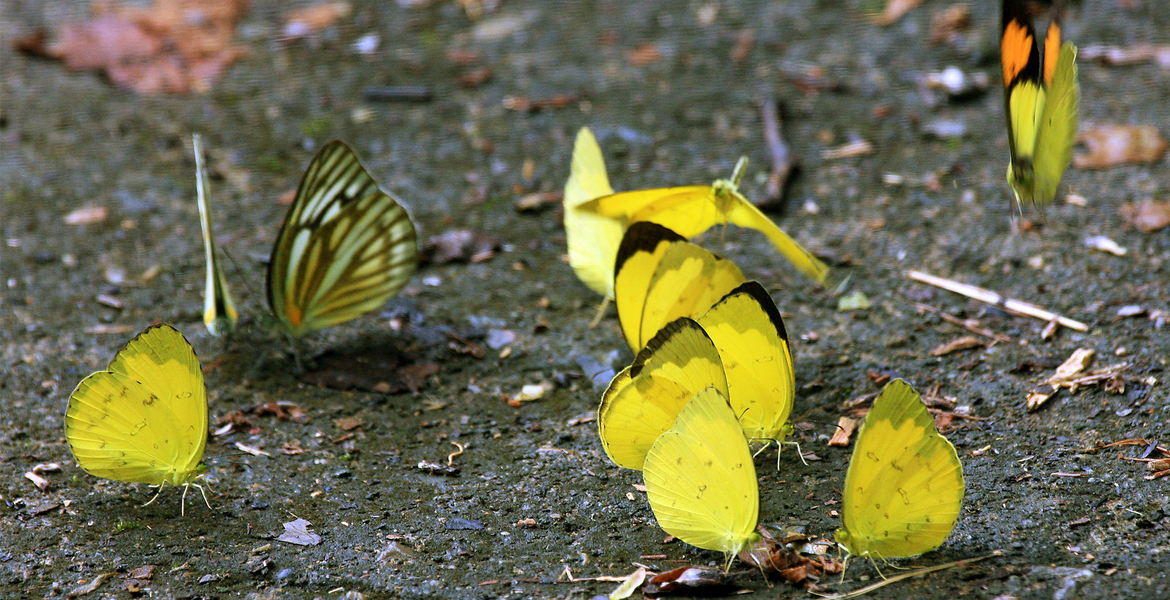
<point x="219" y="312"/>
<point x="660" y="276"/>
<point x="746" y="327"/>
<point x="691" y="210"/>
<point x="1042" y="100"/>
<point x="905" y="483"/>
<point x="643" y="400"/>
<point x="700" y="479"/>
<point x="592" y="239"/>
<point x="144" y="419"/>
<point x="345" y="248"/>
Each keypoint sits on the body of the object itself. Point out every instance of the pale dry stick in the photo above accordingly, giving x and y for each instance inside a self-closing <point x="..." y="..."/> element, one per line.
<point x="1017" y="307"/>
<point x="918" y="573"/>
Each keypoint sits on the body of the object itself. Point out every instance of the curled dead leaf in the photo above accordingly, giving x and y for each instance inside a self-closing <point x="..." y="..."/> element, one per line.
<point x="1112" y="145"/>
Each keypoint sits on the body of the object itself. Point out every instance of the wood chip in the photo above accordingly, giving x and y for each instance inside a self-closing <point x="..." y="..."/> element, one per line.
<point x="845" y="428"/>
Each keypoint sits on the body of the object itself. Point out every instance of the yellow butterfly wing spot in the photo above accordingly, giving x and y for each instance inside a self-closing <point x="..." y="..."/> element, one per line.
<point x="219" y="312"/>
<point x="592" y="239"/>
<point x="691" y="210"/>
<point x="661" y="277"/>
<point x="643" y="400"/>
<point x="700" y="479"/>
<point x="345" y="248"/>
<point x="144" y="419"/>
<point x="747" y="329"/>
<point x="905" y="482"/>
<point x="1042" y="100"/>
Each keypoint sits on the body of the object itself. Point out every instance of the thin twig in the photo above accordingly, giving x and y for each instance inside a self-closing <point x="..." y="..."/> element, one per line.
<point x="965" y="324"/>
<point x="918" y="573"/>
<point x="1017" y="307"/>
<point x="783" y="162"/>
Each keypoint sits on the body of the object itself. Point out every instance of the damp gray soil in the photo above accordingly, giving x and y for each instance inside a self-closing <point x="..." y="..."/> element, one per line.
<point x="534" y="497"/>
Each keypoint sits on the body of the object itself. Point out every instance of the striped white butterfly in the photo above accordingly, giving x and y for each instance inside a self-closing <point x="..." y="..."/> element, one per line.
<point x="346" y="246"/>
<point x="219" y="313"/>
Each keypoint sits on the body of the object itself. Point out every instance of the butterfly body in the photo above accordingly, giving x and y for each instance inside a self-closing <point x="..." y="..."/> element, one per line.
<point x="905" y="483"/>
<point x="346" y="246"/>
<point x="144" y="419"/>
<point x="1041" y="100"/>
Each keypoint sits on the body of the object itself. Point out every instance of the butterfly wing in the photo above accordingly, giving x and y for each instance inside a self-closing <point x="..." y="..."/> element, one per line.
<point x="592" y="239"/>
<point x="638" y="256"/>
<point x="905" y="483"/>
<point x="745" y="214"/>
<point x="145" y="418"/>
<point x="219" y="312"/>
<point x="346" y="246"/>
<point x="1058" y="122"/>
<point x="643" y="401"/>
<point x="684" y="282"/>
<point x="1023" y="94"/>
<point x="700" y="479"/>
<point x="747" y="329"/>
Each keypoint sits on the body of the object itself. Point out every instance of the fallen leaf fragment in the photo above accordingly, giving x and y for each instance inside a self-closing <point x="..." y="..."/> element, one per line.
<point x="851" y="149"/>
<point x="92" y="586"/>
<point x="174" y="46"/>
<point x="853" y="301"/>
<point x="1148" y="216"/>
<point x="88" y="215"/>
<point x="1071" y="375"/>
<point x="302" y="22"/>
<point x="964" y="343"/>
<point x="1116" y="56"/>
<point x="845" y="428"/>
<point x="645" y="54"/>
<point x="1104" y="244"/>
<point x="1112" y="145"/>
<point x="297" y="532"/>
<point x="455" y="245"/>
<point x="631" y="583"/>
<point x="894" y="10"/>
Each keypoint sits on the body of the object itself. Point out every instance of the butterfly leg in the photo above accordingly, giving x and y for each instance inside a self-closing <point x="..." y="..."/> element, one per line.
<point x="156" y="495"/>
<point x="600" y="313"/>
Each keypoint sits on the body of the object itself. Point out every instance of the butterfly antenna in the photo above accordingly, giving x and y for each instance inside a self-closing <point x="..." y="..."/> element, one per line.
<point x="600" y="313"/>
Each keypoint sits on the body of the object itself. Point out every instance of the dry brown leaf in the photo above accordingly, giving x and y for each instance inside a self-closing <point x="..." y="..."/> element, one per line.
<point x="1112" y="145"/>
<point x="645" y="54"/>
<point x="174" y="46"/>
<point x="947" y="26"/>
<point x="894" y="10"/>
<point x="1116" y="56"/>
<point x="1148" y="216"/>
<point x="88" y="215"/>
<point x="964" y="343"/>
<point x="305" y="21"/>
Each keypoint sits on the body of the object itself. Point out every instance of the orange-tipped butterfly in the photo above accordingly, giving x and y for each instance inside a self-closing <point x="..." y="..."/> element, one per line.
<point x="1041" y="94"/>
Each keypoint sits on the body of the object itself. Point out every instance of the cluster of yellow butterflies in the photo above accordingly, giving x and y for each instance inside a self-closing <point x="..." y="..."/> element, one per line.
<point x="345" y="248"/>
<point x="713" y="370"/>
<point x="713" y="373"/>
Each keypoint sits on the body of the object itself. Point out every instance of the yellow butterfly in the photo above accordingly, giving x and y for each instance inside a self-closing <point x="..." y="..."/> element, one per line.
<point x="643" y="400"/>
<point x="747" y="329"/>
<point x="592" y="239"/>
<point x="905" y="482"/>
<point x="144" y="419"/>
<point x="661" y="277"/>
<point x="700" y="479"/>
<point x="345" y="247"/>
<point x="691" y="210"/>
<point x="1042" y="99"/>
<point x="219" y="312"/>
